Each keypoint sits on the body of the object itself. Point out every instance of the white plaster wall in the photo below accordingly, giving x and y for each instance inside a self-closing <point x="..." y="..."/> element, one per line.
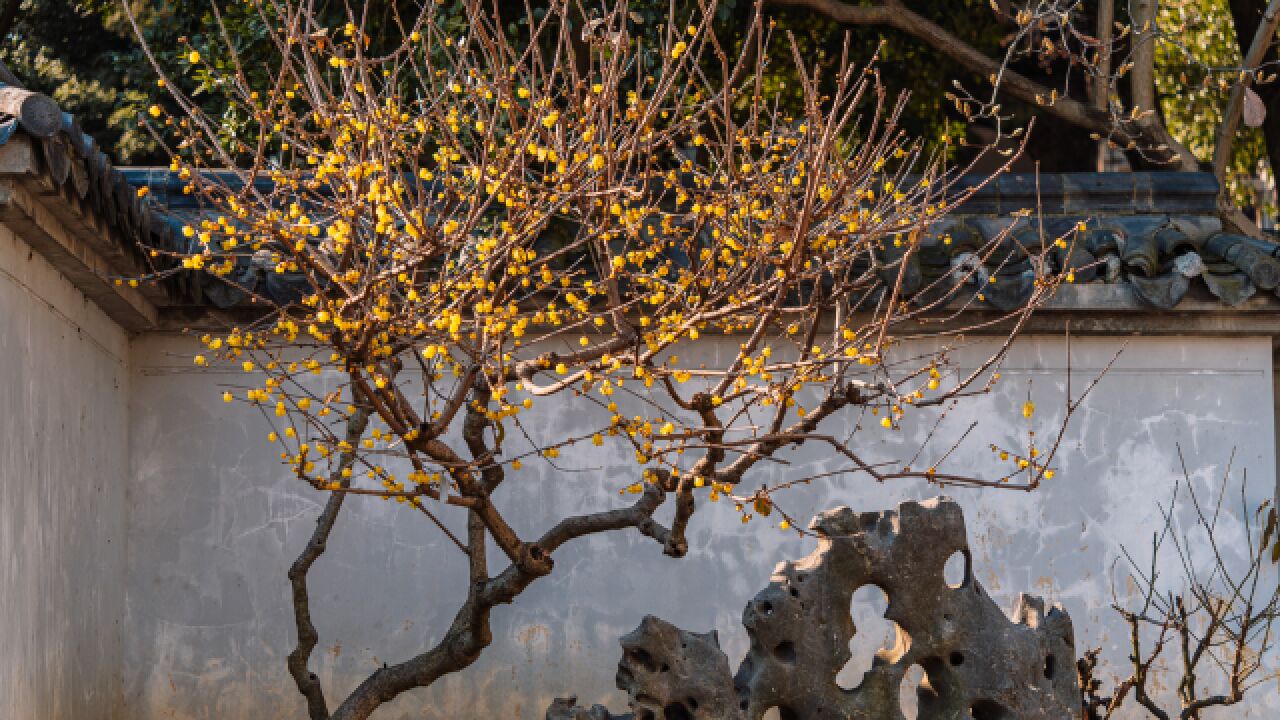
<point x="216" y="521"/>
<point x="64" y="385"/>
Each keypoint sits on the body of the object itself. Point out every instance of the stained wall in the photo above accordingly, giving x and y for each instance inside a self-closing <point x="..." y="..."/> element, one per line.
<point x="64" y="495"/>
<point x="216" y="520"/>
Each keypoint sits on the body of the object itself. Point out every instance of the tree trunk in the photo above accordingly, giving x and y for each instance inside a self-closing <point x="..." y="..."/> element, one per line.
<point x="1070" y="110"/>
<point x="1246" y="16"/>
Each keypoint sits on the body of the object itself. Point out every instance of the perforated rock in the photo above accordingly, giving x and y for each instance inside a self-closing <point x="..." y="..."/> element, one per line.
<point x="977" y="662"/>
<point x="568" y="709"/>
<point x="668" y="674"/>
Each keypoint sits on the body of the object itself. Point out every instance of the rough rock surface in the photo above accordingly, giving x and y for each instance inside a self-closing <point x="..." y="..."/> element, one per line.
<point x="669" y="674"/>
<point x="978" y="664"/>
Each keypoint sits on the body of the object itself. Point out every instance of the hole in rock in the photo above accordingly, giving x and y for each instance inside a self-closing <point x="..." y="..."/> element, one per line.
<point x="643" y="659"/>
<point x="909" y="692"/>
<point x="766" y="608"/>
<point x="676" y="711"/>
<point x="1050" y="666"/>
<point x="785" y="652"/>
<point x="988" y="710"/>
<point x="872" y="632"/>
<point x="956" y="571"/>
<point x="957" y="658"/>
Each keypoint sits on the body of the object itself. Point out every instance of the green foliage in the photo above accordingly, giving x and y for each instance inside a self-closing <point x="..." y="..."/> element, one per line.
<point x="83" y="54"/>
<point x="904" y="64"/>
<point x="1195" y="62"/>
<point x="66" y="50"/>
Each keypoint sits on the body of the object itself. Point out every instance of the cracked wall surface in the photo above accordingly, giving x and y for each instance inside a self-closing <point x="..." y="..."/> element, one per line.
<point x="977" y="662"/>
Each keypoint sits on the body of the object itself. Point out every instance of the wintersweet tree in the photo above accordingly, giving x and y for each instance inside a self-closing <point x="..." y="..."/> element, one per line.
<point x="503" y="208"/>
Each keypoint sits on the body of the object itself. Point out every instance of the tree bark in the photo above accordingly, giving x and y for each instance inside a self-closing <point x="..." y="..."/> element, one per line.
<point x="1101" y="88"/>
<point x="308" y="684"/>
<point x="1143" y="76"/>
<point x="1250" y="61"/>
<point x="1259" y="45"/>
<point x="896" y="15"/>
<point x="1247" y="16"/>
<point x="469" y="633"/>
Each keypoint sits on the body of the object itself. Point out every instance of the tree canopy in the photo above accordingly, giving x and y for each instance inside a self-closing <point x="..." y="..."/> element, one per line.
<point x="494" y="212"/>
<point x="84" y="54"/>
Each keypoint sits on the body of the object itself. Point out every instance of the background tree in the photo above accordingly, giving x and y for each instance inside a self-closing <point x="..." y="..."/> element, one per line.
<point x="1152" y="77"/>
<point x="1125" y="68"/>
<point x="1213" y="627"/>
<point x="63" y="50"/>
<point x="84" y="54"/>
<point x="499" y="210"/>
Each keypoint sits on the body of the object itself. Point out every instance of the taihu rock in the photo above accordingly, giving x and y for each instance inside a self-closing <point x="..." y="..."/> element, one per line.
<point x="978" y="664"/>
